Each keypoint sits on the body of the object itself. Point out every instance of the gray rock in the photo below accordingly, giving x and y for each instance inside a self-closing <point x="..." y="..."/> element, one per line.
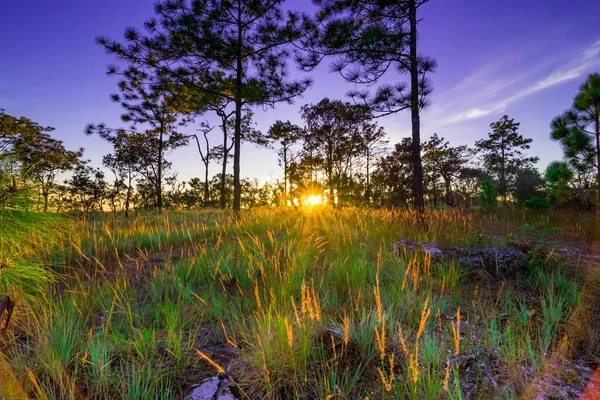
<point x="207" y="389"/>
<point x="495" y="261"/>
<point x="216" y="388"/>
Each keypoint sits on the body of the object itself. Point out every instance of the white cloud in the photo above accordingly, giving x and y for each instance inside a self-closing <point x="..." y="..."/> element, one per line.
<point x="494" y="102"/>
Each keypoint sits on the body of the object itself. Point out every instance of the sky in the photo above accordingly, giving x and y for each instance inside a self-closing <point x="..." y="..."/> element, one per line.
<point x="523" y="58"/>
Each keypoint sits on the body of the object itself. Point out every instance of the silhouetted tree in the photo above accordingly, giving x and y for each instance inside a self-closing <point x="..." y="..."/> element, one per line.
<point x="333" y="139"/>
<point x="393" y="176"/>
<point x="443" y="161"/>
<point x="578" y="129"/>
<point x="372" y="143"/>
<point x="369" y="39"/>
<point x="40" y="156"/>
<point x="528" y="183"/>
<point x="206" y="155"/>
<point x="149" y="102"/>
<point x="559" y="176"/>
<point x="502" y="153"/>
<point x="286" y="135"/>
<point x="234" y="50"/>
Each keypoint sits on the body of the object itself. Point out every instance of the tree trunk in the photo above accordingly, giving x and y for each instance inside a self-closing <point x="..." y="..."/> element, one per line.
<point x="223" y="202"/>
<point x="237" y="143"/>
<point x="45" y="195"/>
<point x="598" y="155"/>
<point x="206" y="191"/>
<point x="415" y="118"/>
<point x="128" y="195"/>
<point x="368" y="191"/>
<point x="285" y="177"/>
<point x="503" y="187"/>
<point x="159" y="172"/>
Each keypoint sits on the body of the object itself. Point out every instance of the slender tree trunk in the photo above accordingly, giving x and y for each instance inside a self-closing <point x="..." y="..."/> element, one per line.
<point x="45" y="195"/>
<point x="415" y="118"/>
<point x="435" y="192"/>
<point x="285" y="177"/>
<point x="368" y="191"/>
<point x="597" y="122"/>
<point x="159" y="172"/>
<point x="503" y="174"/>
<point x="206" y="192"/>
<point x="128" y="195"/>
<point x="223" y="202"/>
<point x="237" y="143"/>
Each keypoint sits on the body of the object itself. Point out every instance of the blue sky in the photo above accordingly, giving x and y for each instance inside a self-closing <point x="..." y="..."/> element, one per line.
<point x="524" y="58"/>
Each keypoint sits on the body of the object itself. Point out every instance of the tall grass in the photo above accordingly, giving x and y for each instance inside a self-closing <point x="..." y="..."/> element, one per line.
<point x="309" y="304"/>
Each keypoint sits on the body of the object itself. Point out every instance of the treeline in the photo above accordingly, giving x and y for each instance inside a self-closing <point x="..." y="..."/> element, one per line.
<point x="222" y="58"/>
<point x="339" y="153"/>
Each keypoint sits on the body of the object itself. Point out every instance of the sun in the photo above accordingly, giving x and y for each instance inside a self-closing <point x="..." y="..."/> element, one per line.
<point x="314" y="200"/>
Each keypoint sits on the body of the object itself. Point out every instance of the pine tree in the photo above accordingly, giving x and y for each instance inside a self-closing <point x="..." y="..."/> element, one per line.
<point x="234" y="50"/>
<point x="578" y="129"/>
<point x="502" y="153"/>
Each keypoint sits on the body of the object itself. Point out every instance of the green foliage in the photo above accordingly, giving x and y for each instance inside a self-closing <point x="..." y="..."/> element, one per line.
<point x="502" y="153"/>
<point x="578" y="129"/>
<point x="309" y="303"/>
<point x="33" y="153"/>
<point x="559" y="176"/>
<point x="536" y="203"/>
<point x="27" y="238"/>
<point x="488" y="196"/>
<point x="528" y="183"/>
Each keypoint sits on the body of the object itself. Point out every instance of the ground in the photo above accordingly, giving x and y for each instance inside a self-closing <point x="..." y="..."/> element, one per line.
<point x="309" y="304"/>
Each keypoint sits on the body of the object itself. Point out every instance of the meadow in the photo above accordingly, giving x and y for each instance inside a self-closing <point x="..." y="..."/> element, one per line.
<point x="310" y="303"/>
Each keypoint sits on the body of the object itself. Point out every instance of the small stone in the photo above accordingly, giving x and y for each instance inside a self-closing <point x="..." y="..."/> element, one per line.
<point x="207" y="390"/>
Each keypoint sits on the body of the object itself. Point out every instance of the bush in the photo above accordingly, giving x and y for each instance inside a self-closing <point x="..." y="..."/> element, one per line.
<point x="536" y="203"/>
<point x="488" y="196"/>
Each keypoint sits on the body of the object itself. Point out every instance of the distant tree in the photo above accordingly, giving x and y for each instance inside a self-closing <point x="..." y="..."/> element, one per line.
<point x="371" y="38"/>
<point x="502" y="153"/>
<point x="135" y="153"/>
<point x="207" y="153"/>
<point x="234" y="50"/>
<point x="40" y="156"/>
<point x="578" y="129"/>
<point x="176" y="193"/>
<point x="285" y="134"/>
<point x="196" y="192"/>
<point x="488" y="196"/>
<point x="129" y="153"/>
<point x="442" y="161"/>
<point x="333" y="139"/>
<point x="87" y="188"/>
<point x="372" y="143"/>
<point x="559" y="177"/>
<point x="393" y="176"/>
<point x="149" y="102"/>
<point x="222" y="152"/>
<point x="468" y="182"/>
<point x="528" y="183"/>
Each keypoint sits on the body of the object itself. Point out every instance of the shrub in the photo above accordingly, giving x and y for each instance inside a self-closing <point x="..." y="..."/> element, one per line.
<point x="536" y="203"/>
<point x="488" y="196"/>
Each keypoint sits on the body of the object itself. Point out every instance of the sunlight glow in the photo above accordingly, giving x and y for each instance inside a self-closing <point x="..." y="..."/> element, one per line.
<point x="314" y="200"/>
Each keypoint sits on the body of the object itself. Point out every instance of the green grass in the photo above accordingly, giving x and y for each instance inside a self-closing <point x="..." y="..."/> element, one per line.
<point x="309" y="304"/>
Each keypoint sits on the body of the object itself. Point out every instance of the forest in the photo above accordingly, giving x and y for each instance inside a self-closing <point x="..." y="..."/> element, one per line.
<point x="377" y="264"/>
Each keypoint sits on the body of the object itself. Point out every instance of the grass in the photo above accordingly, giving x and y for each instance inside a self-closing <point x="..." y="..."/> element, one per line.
<point x="309" y="304"/>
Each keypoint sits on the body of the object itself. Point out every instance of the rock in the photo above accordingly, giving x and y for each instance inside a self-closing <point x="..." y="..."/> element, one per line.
<point x="428" y="248"/>
<point x="216" y="388"/>
<point x="207" y="389"/>
<point x="495" y="261"/>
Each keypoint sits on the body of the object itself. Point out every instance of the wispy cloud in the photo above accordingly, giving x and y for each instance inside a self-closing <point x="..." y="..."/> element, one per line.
<point x="502" y="91"/>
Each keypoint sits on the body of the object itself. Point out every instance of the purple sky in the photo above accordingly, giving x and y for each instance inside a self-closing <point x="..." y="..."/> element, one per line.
<point x="525" y="58"/>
